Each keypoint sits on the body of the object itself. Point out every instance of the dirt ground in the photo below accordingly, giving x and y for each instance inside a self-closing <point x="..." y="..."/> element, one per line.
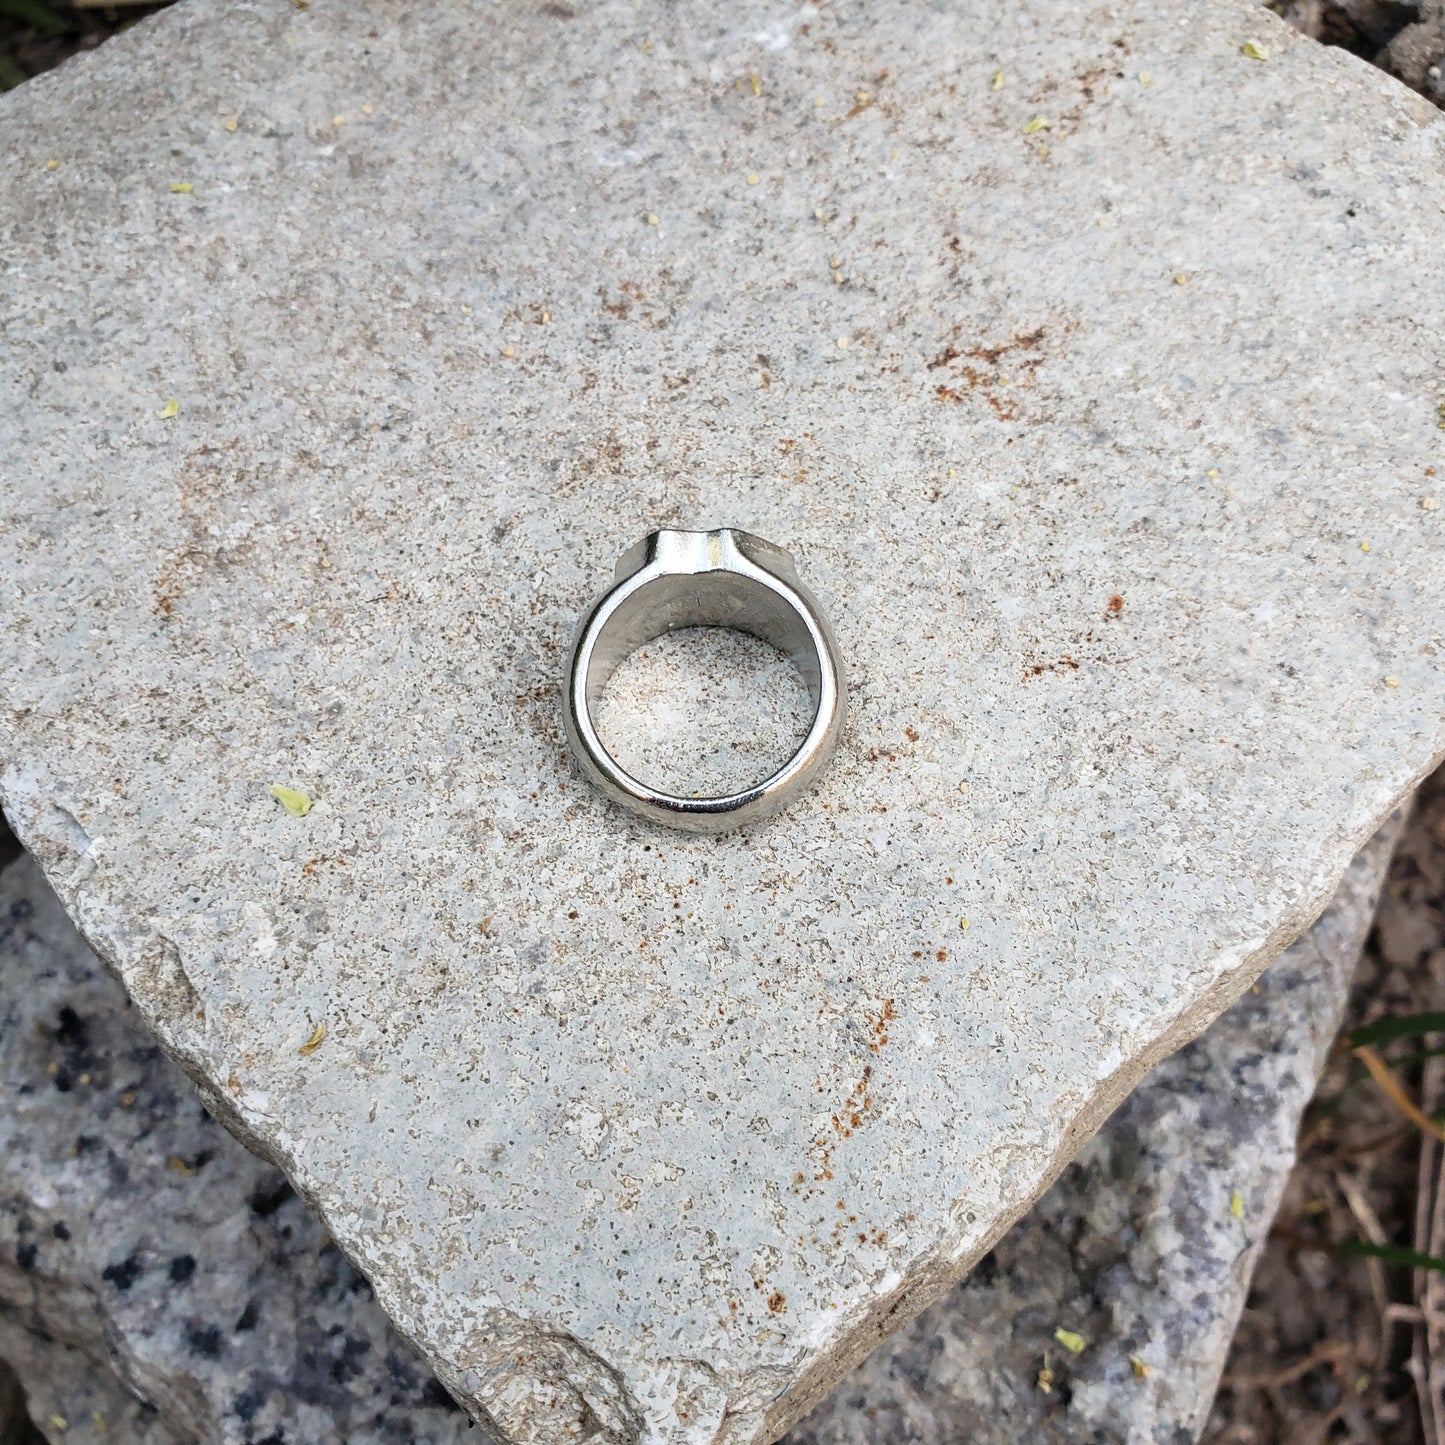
<point x="1331" y="1348"/>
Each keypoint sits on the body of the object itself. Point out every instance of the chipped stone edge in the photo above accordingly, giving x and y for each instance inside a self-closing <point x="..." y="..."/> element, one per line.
<point x="940" y="1273"/>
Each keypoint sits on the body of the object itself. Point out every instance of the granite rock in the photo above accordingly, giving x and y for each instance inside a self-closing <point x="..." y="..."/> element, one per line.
<point x="1104" y="440"/>
<point x="160" y="1284"/>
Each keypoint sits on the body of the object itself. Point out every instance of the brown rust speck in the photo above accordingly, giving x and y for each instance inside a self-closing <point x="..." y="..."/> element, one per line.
<point x="1064" y="664"/>
<point x="1022" y="341"/>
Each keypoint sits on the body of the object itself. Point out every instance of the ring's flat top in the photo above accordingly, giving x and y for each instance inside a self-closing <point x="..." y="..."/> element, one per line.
<point x="655" y="1131"/>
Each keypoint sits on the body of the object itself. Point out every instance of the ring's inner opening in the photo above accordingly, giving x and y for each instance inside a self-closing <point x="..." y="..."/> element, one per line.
<point x="703" y="685"/>
<point x="704" y="712"/>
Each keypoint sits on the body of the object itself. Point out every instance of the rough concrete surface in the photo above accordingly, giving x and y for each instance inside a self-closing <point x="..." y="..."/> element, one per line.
<point x="1145" y="1247"/>
<point x="158" y="1283"/>
<point x="1082" y="441"/>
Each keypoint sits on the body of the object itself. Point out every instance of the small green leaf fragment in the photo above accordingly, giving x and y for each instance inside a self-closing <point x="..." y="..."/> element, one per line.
<point x="170" y="409"/>
<point x="1395" y="1254"/>
<point x="1038" y="123"/>
<point x="1142" y="1369"/>
<point x="997" y="82"/>
<point x="1253" y="51"/>
<point x="292" y="799"/>
<point x="181" y="188"/>
<point x="1074" y="1344"/>
<point x="1397" y="1026"/>
<point x="1236" y="1204"/>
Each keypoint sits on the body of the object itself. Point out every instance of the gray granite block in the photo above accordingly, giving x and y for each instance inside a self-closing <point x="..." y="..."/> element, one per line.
<point x="158" y="1282"/>
<point x="1105" y="441"/>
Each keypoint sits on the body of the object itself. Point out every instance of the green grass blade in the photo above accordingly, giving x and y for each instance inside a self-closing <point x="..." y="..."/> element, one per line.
<point x="34" y="13"/>
<point x="1404" y="1026"/>
<point x="1391" y="1254"/>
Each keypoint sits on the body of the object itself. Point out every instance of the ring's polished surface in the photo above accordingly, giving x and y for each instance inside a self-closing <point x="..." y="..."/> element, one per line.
<point x="721" y="578"/>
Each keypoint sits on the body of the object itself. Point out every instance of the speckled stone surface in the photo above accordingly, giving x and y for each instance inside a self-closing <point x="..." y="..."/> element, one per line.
<point x="152" y="1271"/>
<point x="114" y="1258"/>
<point x="632" y="1133"/>
<point x="1137" y="1249"/>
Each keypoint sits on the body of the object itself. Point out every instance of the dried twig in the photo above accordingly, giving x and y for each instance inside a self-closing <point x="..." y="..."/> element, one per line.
<point x="1321" y="1432"/>
<point x="1380" y="1144"/>
<point x="1395" y="1092"/>
<point x="1330" y="1350"/>
<point x="1370" y="1226"/>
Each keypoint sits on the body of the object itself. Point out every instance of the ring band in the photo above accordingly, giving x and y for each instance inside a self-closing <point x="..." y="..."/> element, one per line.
<point x="721" y="578"/>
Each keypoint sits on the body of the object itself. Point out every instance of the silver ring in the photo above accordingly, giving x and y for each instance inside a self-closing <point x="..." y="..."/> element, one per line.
<point x="721" y="578"/>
